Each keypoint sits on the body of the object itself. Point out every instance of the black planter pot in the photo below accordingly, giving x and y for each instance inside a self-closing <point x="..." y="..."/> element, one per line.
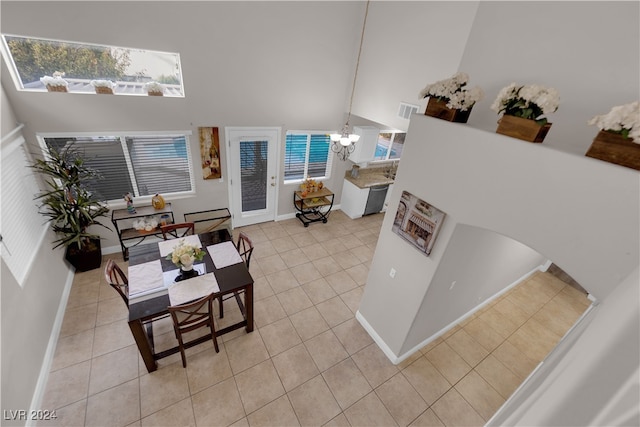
<point x="89" y="258"/>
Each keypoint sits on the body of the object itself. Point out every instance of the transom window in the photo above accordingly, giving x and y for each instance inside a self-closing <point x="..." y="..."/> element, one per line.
<point x="307" y="154"/>
<point x="31" y="59"/>
<point x="142" y="165"/>
<point x="390" y="144"/>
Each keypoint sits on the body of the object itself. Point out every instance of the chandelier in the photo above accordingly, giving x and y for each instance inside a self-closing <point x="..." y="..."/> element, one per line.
<point x="343" y="143"/>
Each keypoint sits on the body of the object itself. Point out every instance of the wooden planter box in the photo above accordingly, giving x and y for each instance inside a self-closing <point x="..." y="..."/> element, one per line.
<point x="524" y="129"/>
<point x="614" y="148"/>
<point x="56" y="88"/>
<point x="439" y="109"/>
<point x="104" y="90"/>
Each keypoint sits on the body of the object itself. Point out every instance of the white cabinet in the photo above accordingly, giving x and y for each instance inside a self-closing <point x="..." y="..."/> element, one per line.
<point x="354" y="199"/>
<point x="365" y="149"/>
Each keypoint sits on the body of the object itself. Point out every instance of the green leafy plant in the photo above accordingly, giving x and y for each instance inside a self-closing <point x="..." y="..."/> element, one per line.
<point x="527" y="101"/>
<point x="69" y="205"/>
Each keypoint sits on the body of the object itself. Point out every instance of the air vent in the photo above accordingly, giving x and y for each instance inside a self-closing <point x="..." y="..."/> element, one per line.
<point x="406" y="110"/>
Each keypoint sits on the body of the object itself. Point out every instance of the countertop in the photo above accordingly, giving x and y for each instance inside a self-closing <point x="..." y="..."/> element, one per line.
<point x="369" y="177"/>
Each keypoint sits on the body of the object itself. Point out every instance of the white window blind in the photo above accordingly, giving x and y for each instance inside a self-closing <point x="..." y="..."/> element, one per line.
<point x="21" y="226"/>
<point x="142" y="165"/>
<point x="307" y="154"/>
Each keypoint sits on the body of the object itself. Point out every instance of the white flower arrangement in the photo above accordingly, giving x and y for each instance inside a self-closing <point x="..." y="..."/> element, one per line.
<point x="184" y="254"/>
<point x="454" y="91"/>
<point x="103" y="83"/>
<point x="55" y="81"/>
<point x="527" y="101"/>
<point x="154" y="87"/>
<point x="623" y="119"/>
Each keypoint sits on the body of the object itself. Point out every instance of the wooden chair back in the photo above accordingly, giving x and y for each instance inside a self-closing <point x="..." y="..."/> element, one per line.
<point x="191" y="316"/>
<point x="176" y="231"/>
<point x="117" y="279"/>
<point x="245" y="248"/>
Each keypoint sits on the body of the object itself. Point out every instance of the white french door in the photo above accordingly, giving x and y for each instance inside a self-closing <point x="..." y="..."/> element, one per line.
<point x="253" y="167"/>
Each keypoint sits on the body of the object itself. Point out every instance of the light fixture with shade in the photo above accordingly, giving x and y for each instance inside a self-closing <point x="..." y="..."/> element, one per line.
<point x="343" y="143"/>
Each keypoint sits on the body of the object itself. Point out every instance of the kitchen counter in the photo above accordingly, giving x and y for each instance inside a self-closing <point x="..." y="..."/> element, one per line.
<point x="370" y="177"/>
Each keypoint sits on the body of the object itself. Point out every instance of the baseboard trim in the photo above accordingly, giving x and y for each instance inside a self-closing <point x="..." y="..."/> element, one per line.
<point x="43" y="377"/>
<point x="377" y="338"/>
<point x="395" y="359"/>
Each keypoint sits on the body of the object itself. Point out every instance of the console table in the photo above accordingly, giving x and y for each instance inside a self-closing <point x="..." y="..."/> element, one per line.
<point x="128" y="233"/>
<point x="312" y="207"/>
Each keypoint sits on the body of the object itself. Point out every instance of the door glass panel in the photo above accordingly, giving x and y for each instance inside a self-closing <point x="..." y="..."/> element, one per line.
<point x="253" y="175"/>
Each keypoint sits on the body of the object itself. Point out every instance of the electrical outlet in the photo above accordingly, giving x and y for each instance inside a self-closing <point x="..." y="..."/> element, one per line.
<point x="392" y="273"/>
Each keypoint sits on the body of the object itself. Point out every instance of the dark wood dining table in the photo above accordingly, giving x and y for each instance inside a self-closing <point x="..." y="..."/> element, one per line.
<point x="231" y="279"/>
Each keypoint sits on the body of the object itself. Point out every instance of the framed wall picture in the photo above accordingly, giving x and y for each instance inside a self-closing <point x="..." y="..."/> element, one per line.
<point x="417" y="222"/>
<point x="210" y="152"/>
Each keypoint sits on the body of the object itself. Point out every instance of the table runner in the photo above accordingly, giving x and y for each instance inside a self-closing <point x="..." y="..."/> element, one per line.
<point x="224" y="254"/>
<point x="193" y="289"/>
<point x="166" y="246"/>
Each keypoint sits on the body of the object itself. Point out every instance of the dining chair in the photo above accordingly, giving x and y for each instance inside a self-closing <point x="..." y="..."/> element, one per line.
<point x="175" y="231"/>
<point x="118" y="280"/>
<point x="245" y="249"/>
<point x="191" y="316"/>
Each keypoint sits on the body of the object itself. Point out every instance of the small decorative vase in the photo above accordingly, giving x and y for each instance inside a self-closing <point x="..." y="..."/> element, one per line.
<point x="186" y="272"/>
<point x="524" y="129"/>
<point x="158" y="202"/>
<point x="614" y="148"/>
<point x="437" y="108"/>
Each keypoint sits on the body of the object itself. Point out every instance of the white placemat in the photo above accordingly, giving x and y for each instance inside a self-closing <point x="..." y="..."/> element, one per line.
<point x="193" y="289"/>
<point x="144" y="277"/>
<point x="224" y="254"/>
<point x="166" y="246"/>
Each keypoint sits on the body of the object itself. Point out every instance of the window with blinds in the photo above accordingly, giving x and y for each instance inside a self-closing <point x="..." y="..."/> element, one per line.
<point x="307" y="154"/>
<point x="142" y="165"/>
<point x="22" y="228"/>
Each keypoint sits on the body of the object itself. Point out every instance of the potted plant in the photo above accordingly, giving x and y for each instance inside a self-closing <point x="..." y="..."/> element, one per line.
<point x="154" y="89"/>
<point x="619" y="138"/>
<point x="523" y="107"/>
<point x="450" y="99"/>
<point x="104" y="87"/>
<point x="70" y="206"/>
<point x="55" y="83"/>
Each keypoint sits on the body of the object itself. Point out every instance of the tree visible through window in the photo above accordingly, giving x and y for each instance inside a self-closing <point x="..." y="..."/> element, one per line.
<point x="35" y="58"/>
<point x="31" y="59"/>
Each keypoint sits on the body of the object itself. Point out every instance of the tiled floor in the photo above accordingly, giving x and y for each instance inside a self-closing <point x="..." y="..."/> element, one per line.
<point x="308" y="362"/>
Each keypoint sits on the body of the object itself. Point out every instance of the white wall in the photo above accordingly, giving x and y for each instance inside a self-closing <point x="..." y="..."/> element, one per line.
<point x="481" y="263"/>
<point x="244" y="64"/>
<point x="407" y="45"/>
<point x="587" y="50"/>
<point x="29" y="314"/>
<point x="543" y="198"/>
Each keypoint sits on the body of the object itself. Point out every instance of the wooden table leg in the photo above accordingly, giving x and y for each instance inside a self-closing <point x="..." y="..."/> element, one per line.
<point x="144" y="346"/>
<point x="248" y="305"/>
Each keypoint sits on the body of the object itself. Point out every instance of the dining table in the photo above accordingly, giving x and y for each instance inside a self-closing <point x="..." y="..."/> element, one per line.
<point x="153" y="286"/>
